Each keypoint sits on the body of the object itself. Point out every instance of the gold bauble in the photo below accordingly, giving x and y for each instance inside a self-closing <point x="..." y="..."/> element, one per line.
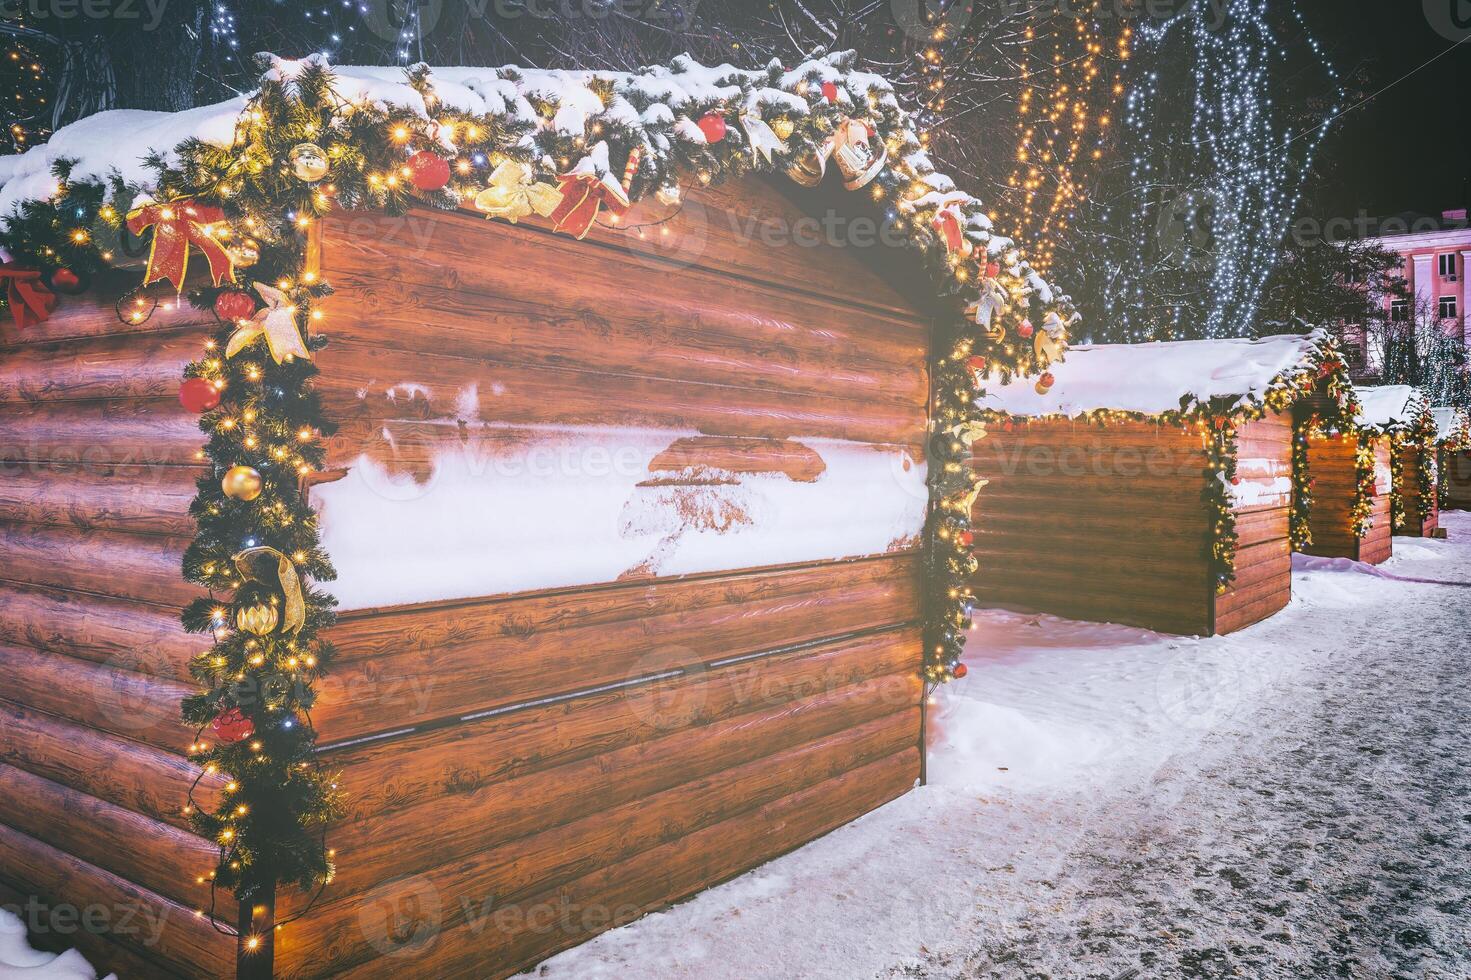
<point x="259" y="619"/>
<point x="241" y="483"/>
<point x="782" y="127"/>
<point x="308" y="162"/>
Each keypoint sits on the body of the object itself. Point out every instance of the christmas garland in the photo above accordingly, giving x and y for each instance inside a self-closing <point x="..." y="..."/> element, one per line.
<point x="1417" y="434"/>
<point x="1361" y="515"/>
<point x="1299" y="524"/>
<point x="1458" y="441"/>
<point x="300" y="149"/>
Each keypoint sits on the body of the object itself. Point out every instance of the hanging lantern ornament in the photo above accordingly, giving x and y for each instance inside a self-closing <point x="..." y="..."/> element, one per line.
<point x="853" y="152"/>
<point x="712" y="125"/>
<point x="198" y="395"/>
<point x="66" y="281"/>
<point x="231" y="726"/>
<point x="428" y="171"/>
<point x="242" y="483"/>
<point x="308" y="162"/>
<point x="234" y="305"/>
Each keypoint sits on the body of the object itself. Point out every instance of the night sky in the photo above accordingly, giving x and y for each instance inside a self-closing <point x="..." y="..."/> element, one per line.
<point x="1409" y="149"/>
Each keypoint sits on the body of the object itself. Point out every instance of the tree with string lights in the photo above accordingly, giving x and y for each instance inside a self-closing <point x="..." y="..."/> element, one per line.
<point x="1218" y="131"/>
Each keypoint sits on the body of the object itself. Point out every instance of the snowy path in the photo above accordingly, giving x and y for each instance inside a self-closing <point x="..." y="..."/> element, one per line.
<point x="1293" y="800"/>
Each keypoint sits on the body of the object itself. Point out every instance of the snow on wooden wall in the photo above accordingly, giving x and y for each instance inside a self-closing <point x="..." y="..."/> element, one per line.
<point x="527" y="413"/>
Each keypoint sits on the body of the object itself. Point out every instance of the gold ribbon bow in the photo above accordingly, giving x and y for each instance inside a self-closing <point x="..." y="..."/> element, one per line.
<point x="271" y="568"/>
<point x="513" y="194"/>
<point x="276" y="321"/>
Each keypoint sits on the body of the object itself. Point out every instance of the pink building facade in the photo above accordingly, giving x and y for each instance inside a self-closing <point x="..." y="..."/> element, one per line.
<point x="1437" y="255"/>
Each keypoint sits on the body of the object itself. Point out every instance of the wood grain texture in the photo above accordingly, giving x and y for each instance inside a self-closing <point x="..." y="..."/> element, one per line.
<point x="619" y="892"/>
<point x="104" y="697"/>
<point x="415" y="666"/>
<point x="104" y="955"/>
<point x="102" y="496"/>
<point x="119" y="632"/>
<point x="145" y="923"/>
<point x="129" y="774"/>
<point x="158" y="856"/>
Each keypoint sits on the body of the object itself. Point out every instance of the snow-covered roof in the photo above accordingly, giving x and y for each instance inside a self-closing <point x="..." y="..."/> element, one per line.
<point x="656" y="102"/>
<point x="1388" y="406"/>
<point x="1154" y="378"/>
<point x="1449" y="422"/>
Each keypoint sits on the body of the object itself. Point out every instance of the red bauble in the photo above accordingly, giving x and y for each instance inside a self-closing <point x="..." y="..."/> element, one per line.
<point x="1047" y="380"/>
<point x="966" y="539"/>
<point x="232" y="305"/>
<point x="428" y="171"/>
<point x="712" y="124"/>
<point x="976" y="363"/>
<point x="959" y="670"/>
<point x="1235" y="481"/>
<point x="830" y="91"/>
<point x="1025" y="330"/>
<point x="65" y="281"/>
<point x="231" y="726"/>
<point x="198" y="395"/>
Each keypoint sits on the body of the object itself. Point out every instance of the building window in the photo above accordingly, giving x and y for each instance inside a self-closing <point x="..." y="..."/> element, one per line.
<point x="1447" y="307"/>
<point x="1399" y="310"/>
<point x="1447" y="263"/>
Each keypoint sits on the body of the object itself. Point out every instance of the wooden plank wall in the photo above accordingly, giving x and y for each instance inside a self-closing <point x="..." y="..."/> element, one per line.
<point x="1456" y="472"/>
<point x="1334" y="470"/>
<point x="1422" y="517"/>
<point x="1263" y="583"/>
<point x="99" y="468"/>
<point x="1095" y="523"/>
<point x="525" y="771"/>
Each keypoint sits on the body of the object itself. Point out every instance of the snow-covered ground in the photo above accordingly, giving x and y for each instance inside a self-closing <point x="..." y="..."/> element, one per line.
<point x="1293" y="800"/>
<point x="18" y="961"/>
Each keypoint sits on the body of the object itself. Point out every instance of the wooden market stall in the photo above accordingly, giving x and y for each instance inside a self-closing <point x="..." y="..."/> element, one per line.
<point x="1403" y="415"/>
<point x="623" y="518"/>
<point x="1151" y="484"/>
<point x="1453" y="455"/>
<point x="1351" y="480"/>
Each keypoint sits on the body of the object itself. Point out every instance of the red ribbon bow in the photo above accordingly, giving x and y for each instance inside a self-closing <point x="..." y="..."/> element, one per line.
<point x="31" y="300"/>
<point x="582" y="196"/>
<point x="177" y="225"/>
